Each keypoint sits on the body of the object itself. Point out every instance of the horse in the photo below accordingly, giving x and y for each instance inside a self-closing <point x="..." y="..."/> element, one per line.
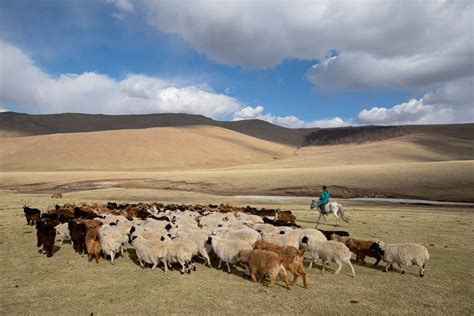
<point x="330" y="208"/>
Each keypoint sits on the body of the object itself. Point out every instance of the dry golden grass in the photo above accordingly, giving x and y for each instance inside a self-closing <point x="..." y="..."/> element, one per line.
<point x="68" y="284"/>
<point x="162" y="148"/>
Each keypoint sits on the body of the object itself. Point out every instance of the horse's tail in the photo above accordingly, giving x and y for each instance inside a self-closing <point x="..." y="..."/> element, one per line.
<point x="344" y="217"/>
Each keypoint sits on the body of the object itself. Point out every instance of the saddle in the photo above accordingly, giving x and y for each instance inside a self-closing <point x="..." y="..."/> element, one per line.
<point x="323" y="209"/>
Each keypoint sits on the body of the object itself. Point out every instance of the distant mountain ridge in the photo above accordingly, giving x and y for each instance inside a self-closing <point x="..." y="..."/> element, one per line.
<point x="19" y="124"/>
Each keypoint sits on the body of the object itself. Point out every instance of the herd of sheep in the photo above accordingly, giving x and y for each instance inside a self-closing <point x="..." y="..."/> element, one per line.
<point x="267" y="243"/>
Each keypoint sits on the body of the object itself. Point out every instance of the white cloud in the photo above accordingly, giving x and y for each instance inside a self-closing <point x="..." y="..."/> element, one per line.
<point x="451" y="103"/>
<point x="362" y="70"/>
<point x="291" y="121"/>
<point x="395" y="44"/>
<point x="24" y="84"/>
<point x="122" y="5"/>
<point x="334" y="122"/>
<point x="249" y="113"/>
<point x="3" y="110"/>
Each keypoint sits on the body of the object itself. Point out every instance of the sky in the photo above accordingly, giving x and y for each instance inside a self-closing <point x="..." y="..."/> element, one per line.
<point x="296" y="63"/>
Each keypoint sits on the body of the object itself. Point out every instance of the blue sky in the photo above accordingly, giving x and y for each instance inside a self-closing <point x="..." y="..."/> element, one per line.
<point x="287" y="62"/>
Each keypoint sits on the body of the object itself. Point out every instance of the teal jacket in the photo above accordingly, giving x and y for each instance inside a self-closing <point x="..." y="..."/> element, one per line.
<point x="324" y="198"/>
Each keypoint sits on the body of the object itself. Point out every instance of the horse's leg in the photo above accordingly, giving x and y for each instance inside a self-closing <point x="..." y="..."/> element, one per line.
<point x="319" y="218"/>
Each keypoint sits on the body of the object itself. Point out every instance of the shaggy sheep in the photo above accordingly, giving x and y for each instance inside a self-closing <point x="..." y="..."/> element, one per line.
<point x="62" y="232"/>
<point x="360" y="247"/>
<point x="181" y="251"/>
<point x="111" y="241"/>
<point x="263" y="262"/>
<point x="328" y="251"/>
<point x="199" y="239"/>
<point x="293" y="259"/>
<point x="93" y="244"/>
<point x="227" y="250"/>
<point x="244" y="234"/>
<point x="45" y="234"/>
<point x="32" y="215"/>
<point x="149" y="251"/>
<point x="404" y="255"/>
<point x="288" y="240"/>
<point x="78" y="236"/>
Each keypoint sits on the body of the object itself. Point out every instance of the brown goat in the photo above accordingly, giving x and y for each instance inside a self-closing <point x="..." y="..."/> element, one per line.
<point x="294" y="259"/>
<point x="57" y="195"/>
<point x="285" y="216"/>
<point x="263" y="262"/>
<point x="360" y="247"/>
<point x="93" y="244"/>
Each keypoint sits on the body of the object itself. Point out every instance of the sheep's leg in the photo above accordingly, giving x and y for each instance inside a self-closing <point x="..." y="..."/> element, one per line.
<point x="272" y="280"/>
<point x="112" y="255"/>
<point x="387" y="266"/>
<point x="252" y="275"/>
<point x="121" y="250"/>
<point x="204" y="253"/>
<point x="350" y="265"/>
<point x="165" y="265"/>
<point x="284" y="277"/>
<point x="300" y="270"/>
<point x="295" y="277"/>
<point x="141" y="263"/>
<point x="89" y="257"/>
<point x="339" y="266"/>
<point x="219" y="265"/>
<point x="402" y="268"/>
<point x="183" y="265"/>
<point x="311" y="264"/>
<point x="422" y="270"/>
<point x="228" y="267"/>
<point x="377" y="262"/>
<point x="324" y="264"/>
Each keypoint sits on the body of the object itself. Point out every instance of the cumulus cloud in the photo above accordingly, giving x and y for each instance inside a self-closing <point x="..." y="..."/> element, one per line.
<point x="363" y="71"/>
<point x="291" y="121"/>
<point x="24" y="84"/>
<point x="122" y="7"/>
<point x="450" y="103"/>
<point x="334" y="122"/>
<point x="381" y="43"/>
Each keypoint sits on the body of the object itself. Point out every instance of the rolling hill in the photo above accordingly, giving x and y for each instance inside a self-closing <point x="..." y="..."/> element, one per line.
<point x="162" y="148"/>
<point x="17" y="124"/>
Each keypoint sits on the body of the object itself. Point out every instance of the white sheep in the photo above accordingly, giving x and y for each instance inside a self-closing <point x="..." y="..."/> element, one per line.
<point x="328" y="251"/>
<point x="404" y="254"/>
<point x="285" y="240"/>
<point x="111" y="241"/>
<point x="180" y="250"/>
<point x="244" y="217"/>
<point x="62" y="232"/>
<point x="244" y="234"/>
<point x="199" y="239"/>
<point x="227" y="250"/>
<point x="264" y="228"/>
<point x="151" y="251"/>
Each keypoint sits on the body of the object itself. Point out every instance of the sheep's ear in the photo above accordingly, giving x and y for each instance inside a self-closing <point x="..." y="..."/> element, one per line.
<point x="304" y="240"/>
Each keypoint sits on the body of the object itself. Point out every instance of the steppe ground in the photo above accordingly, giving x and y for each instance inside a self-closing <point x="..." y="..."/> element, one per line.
<point x="68" y="284"/>
<point x="212" y="165"/>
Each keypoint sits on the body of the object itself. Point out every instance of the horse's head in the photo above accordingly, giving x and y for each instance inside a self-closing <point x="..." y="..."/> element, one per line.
<point x="313" y="204"/>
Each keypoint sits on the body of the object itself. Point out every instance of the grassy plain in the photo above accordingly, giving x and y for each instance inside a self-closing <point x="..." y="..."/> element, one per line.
<point x="68" y="284"/>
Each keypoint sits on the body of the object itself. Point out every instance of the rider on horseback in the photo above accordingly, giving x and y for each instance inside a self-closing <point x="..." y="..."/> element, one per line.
<point x="323" y="200"/>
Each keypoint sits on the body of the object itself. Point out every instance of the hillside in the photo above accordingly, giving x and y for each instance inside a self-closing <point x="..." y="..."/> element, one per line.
<point x="19" y="124"/>
<point x="162" y="148"/>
